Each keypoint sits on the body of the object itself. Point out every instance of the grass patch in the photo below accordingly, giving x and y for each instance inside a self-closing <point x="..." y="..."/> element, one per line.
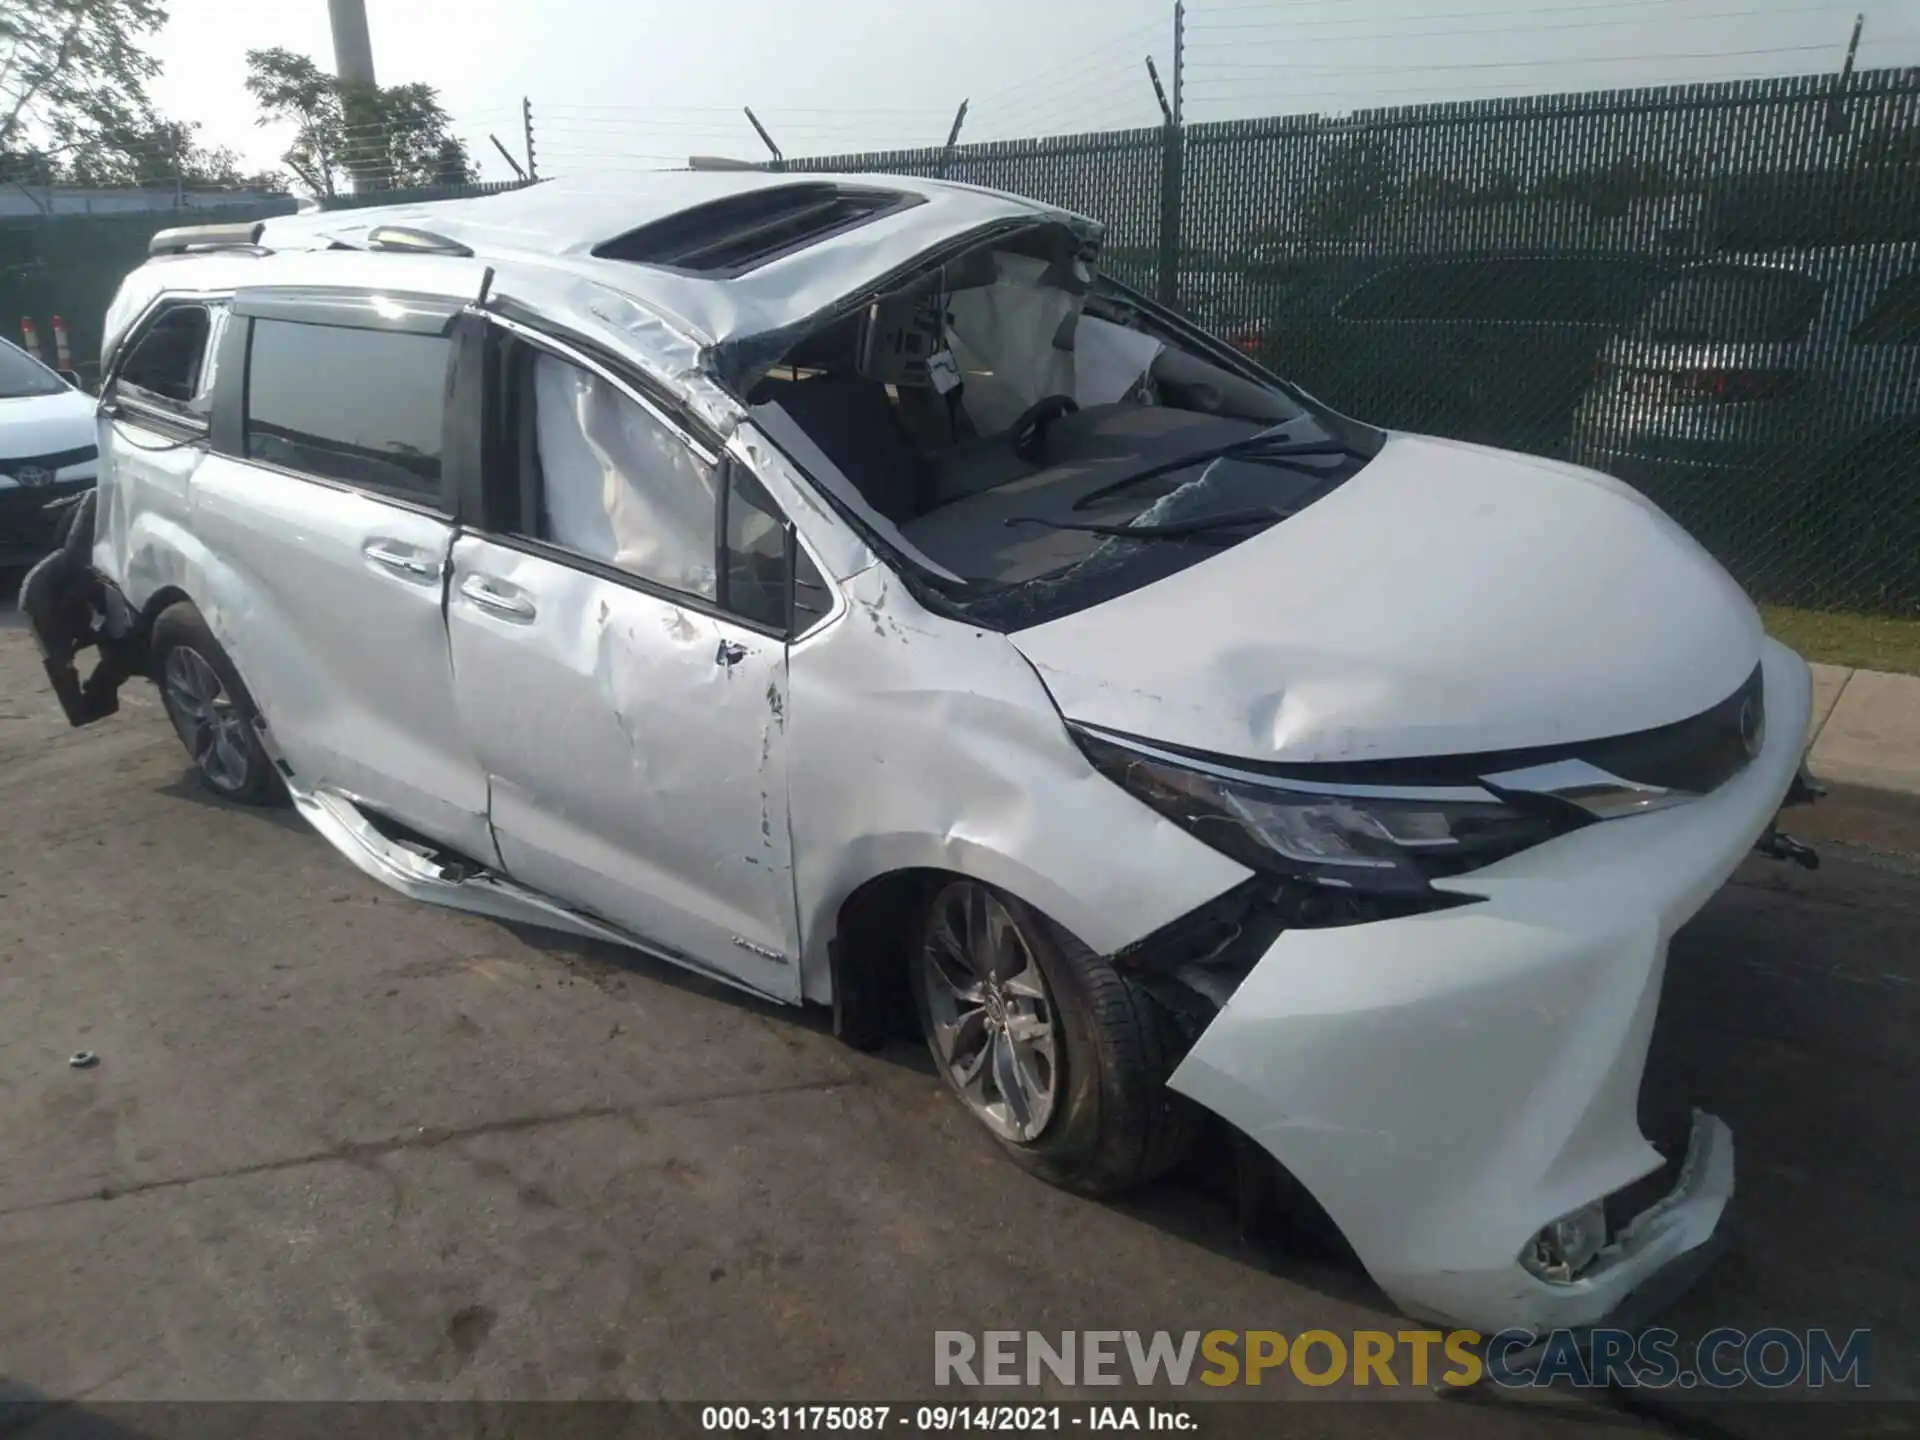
<point x="1866" y="642"/>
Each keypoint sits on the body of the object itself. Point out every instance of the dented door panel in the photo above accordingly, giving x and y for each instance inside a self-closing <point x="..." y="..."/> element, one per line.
<point x="636" y="754"/>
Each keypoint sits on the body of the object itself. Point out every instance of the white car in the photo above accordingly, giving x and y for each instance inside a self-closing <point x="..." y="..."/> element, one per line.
<point x="836" y="585"/>
<point x="47" y="453"/>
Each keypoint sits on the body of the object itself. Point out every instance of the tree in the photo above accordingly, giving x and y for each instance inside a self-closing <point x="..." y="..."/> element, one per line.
<point x="1355" y="180"/>
<point x="72" y="70"/>
<point x="380" y="138"/>
<point x="164" y="152"/>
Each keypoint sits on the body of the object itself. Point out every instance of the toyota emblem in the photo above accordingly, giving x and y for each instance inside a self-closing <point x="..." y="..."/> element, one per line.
<point x="33" y="475"/>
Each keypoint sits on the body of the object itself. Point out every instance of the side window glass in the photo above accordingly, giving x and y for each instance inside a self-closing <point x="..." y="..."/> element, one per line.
<point x="165" y="363"/>
<point x="758" y="579"/>
<point x="362" y="406"/>
<point x="616" y="484"/>
<point x="1895" y="317"/>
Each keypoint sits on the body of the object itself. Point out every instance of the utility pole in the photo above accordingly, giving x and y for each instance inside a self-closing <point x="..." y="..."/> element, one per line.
<point x="353" y="63"/>
<point x="352" y="46"/>
<point x="526" y="130"/>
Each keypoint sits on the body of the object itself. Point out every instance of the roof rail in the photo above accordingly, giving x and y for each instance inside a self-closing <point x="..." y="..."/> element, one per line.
<point x="182" y="238"/>
<point x="420" y="242"/>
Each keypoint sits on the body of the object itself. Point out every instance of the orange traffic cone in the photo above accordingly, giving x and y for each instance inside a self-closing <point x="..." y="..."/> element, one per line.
<point x="30" y="337"/>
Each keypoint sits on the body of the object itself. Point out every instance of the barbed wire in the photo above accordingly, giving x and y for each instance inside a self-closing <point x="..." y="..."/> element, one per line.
<point x="1282" y="30"/>
<point x="1199" y="21"/>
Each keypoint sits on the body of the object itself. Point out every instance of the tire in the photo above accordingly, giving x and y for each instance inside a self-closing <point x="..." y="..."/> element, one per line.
<point x="1090" y="1110"/>
<point x="211" y="711"/>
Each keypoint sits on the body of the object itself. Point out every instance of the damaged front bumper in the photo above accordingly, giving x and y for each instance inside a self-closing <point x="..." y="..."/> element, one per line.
<point x="1450" y="1085"/>
<point x="71" y="608"/>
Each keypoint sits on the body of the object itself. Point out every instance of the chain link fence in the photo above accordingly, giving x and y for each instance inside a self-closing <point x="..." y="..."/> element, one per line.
<point x="1710" y="291"/>
<point x="69" y="266"/>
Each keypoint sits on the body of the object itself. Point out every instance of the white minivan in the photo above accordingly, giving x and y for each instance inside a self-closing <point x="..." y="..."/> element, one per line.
<point x="838" y="586"/>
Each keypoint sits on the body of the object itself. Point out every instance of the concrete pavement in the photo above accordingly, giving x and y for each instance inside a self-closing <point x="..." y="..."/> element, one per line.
<point x="1867" y="730"/>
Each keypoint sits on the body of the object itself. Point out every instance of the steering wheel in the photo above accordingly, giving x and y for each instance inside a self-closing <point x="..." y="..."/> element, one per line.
<point x="1029" y="431"/>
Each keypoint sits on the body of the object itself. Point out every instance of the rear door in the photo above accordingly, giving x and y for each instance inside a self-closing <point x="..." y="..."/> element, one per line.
<point x="327" y="518"/>
<point x="622" y="669"/>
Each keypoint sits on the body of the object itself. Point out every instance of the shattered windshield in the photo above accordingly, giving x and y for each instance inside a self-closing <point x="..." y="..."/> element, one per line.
<point x="22" y="376"/>
<point x="1028" y="440"/>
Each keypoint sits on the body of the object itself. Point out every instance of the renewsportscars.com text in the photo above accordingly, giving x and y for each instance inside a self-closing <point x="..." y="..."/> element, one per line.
<point x="1722" y="1359"/>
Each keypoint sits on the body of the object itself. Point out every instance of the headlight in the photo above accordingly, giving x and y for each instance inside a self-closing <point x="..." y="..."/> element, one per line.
<point x="1356" y="837"/>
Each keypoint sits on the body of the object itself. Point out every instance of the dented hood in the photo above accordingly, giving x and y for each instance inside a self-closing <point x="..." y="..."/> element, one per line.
<point x="1447" y="599"/>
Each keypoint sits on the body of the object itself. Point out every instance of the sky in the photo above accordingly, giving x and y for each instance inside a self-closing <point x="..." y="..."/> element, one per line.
<point x="617" y="85"/>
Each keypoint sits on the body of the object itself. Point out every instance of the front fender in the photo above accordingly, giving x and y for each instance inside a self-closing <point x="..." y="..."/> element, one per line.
<point x="918" y="742"/>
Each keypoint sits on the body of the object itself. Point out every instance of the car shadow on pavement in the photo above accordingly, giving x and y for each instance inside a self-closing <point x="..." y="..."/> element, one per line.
<point x="1195" y="1204"/>
<point x="600" y="962"/>
<point x="186" y="787"/>
<point x="28" y="1414"/>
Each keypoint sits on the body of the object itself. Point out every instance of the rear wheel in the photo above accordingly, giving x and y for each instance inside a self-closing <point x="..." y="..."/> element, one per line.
<point x="210" y="709"/>
<point x="1060" y="1058"/>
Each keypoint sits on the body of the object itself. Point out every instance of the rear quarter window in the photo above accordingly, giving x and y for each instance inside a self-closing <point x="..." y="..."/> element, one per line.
<point x="1734" y="305"/>
<point x="362" y="406"/>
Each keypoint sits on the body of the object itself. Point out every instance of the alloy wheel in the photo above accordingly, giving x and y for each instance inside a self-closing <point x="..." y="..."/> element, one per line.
<point x="210" y="724"/>
<point x="993" y="1021"/>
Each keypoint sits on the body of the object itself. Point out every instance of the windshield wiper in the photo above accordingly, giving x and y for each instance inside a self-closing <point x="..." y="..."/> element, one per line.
<point x="1262" y="449"/>
<point x="1175" y="530"/>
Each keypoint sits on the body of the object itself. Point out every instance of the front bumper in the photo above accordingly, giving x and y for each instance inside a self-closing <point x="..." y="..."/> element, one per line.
<point x="70" y="607"/>
<point x="1447" y="1084"/>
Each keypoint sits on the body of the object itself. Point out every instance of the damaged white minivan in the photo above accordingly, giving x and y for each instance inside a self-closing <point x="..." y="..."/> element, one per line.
<point x="838" y="586"/>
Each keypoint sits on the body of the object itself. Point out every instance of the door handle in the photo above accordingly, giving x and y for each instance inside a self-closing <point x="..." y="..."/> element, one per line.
<point x="397" y="557"/>
<point x="484" y="593"/>
<point x="730" y="654"/>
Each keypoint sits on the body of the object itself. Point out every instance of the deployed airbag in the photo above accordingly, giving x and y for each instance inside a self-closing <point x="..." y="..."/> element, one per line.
<point x="618" y="484"/>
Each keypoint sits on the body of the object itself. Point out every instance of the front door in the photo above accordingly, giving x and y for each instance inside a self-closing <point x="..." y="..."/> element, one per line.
<point x="632" y="724"/>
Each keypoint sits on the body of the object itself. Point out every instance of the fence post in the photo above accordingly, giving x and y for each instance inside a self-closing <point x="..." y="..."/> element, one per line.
<point x="1172" y="166"/>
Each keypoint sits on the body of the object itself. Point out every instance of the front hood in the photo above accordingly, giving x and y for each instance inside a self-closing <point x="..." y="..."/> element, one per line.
<point x="45" y="424"/>
<point x="1447" y="599"/>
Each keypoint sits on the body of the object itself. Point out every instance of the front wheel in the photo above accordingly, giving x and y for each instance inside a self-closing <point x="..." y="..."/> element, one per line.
<point x="210" y="709"/>
<point x="1063" y="1060"/>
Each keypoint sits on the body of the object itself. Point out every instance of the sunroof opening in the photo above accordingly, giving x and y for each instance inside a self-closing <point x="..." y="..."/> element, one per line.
<point x="731" y="236"/>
